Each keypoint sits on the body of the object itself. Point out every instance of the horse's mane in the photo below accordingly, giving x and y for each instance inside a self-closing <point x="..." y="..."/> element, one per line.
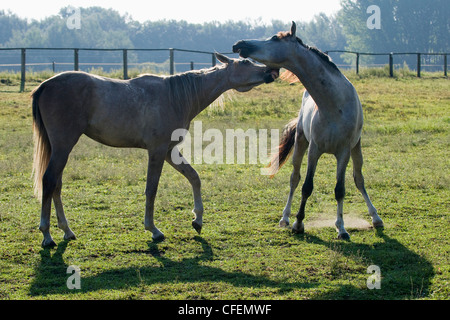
<point x="184" y="88"/>
<point x="326" y="58"/>
<point x="322" y="55"/>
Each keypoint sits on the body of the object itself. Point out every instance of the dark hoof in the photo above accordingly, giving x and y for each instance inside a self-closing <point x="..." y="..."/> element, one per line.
<point x="197" y="227"/>
<point x="344" y="236"/>
<point x="298" y="229"/>
<point x="379" y="226"/>
<point x="48" y="244"/>
<point x="70" y="237"/>
<point x="159" y="238"/>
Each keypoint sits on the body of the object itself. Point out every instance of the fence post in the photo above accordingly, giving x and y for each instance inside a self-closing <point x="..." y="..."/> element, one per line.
<point x="357" y="63"/>
<point x="391" y="64"/>
<point x="213" y="60"/>
<point x="192" y="65"/>
<point x="171" y="62"/>
<point x="418" y="65"/>
<point x="75" y="60"/>
<point x="22" y="69"/>
<point x="445" y="65"/>
<point x="125" y="64"/>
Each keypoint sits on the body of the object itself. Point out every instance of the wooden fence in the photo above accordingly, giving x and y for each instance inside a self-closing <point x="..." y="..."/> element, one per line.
<point x="124" y="64"/>
<point x="171" y="52"/>
<point x="390" y="61"/>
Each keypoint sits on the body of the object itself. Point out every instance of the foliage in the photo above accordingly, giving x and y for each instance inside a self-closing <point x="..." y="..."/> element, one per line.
<point x="406" y="26"/>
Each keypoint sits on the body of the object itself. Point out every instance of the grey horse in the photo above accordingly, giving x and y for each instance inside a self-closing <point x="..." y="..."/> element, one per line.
<point x="330" y="120"/>
<point x="138" y="113"/>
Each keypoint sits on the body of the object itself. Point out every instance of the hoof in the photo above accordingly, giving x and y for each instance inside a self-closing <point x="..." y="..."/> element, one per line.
<point x="197" y="226"/>
<point x="70" y="237"/>
<point x="48" y="244"/>
<point x="344" y="236"/>
<point x="298" y="229"/>
<point x="378" y="225"/>
<point x="158" y="238"/>
<point x="284" y="223"/>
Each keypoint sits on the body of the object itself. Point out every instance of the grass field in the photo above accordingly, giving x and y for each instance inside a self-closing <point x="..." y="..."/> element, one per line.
<point x="241" y="253"/>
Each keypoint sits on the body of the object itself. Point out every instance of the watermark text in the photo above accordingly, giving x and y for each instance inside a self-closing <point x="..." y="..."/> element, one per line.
<point x="236" y="146"/>
<point x="374" y="21"/>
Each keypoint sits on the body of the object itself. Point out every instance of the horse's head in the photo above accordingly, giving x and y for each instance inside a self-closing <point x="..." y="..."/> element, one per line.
<point x="244" y="74"/>
<point x="274" y="52"/>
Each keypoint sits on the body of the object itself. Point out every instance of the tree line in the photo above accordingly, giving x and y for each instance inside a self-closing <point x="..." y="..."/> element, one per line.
<point x="404" y="25"/>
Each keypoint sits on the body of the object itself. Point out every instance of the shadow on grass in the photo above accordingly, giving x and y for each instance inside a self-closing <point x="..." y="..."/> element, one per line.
<point x="404" y="274"/>
<point x="51" y="274"/>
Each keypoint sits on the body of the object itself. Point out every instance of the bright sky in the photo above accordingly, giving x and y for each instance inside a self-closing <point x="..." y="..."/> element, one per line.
<point x="195" y="11"/>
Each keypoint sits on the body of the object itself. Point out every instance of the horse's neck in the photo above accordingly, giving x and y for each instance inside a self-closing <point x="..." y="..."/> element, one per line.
<point x="328" y="87"/>
<point x="214" y="82"/>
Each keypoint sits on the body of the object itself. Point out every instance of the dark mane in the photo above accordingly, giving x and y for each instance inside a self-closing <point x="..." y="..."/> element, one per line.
<point x="323" y="56"/>
<point x="326" y="58"/>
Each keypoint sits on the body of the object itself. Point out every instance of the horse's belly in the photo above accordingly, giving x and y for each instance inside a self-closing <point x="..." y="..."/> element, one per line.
<point x="115" y="137"/>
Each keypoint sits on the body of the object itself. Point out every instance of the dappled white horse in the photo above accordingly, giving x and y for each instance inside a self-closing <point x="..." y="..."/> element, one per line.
<point x="330" y="120"/>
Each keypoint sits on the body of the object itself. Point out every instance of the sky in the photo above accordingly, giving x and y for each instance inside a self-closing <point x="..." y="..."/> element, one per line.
<point x="194" y="11"/>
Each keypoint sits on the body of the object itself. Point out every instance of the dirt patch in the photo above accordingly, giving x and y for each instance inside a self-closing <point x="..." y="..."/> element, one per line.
<point x="327" y="220"/>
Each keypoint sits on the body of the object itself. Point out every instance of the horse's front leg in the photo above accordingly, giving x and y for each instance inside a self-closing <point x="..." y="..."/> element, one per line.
<point x="181" y="165"/>
<point x="339" y="193"/>
<point x="155" y="165"/>
<point x="307" y="188"/>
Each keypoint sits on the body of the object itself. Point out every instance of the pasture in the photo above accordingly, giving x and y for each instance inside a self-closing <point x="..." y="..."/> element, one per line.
<point x="241" y="252"/>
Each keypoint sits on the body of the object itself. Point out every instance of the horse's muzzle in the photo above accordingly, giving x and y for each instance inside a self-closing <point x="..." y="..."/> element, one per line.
<point x="271" y="75"/>
<point x="243" y="48"/>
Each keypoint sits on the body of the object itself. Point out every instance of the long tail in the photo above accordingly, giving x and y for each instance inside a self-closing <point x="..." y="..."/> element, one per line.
<point x="289" y="77"/>
<point x="284" y="149"/>
<point x="42" y="147"/>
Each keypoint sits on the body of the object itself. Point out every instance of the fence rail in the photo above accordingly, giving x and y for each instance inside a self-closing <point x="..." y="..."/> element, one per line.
<point x="76" y="59"/>
<point x="171" y="54"/>
<point x="391" y="55"/>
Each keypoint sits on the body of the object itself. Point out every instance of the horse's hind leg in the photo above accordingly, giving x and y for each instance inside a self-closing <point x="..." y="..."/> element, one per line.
<point x="155" y="165"/>
<point x="62" y="221"/>
<point x="51" y="189"/>
<point x="300" y="147"/>
<point x="357" y="159"/>
<point x="186" y="170"/>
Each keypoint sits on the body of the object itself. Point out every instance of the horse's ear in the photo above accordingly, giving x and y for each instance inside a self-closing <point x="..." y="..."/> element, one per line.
<point x="293" y="29"/>
<point x="222" y="58"/>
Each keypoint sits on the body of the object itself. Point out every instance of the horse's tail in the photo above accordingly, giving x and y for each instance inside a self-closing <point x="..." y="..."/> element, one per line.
<point x="284" y="149"/>
<point x="42" y="147"/>
<point x="289" y="76"/>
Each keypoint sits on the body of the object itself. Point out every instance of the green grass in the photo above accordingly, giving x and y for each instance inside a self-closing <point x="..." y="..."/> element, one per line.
<point x="241" y="253"/>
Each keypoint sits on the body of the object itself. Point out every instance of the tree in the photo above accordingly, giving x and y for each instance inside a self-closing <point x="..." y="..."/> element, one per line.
<point x="406" y="25"/>
<point x="10" y="23"/>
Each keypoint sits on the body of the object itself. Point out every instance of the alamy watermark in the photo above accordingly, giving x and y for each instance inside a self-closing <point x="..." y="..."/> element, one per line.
<point x="374" y="21"/>
<point x="74" y="281"/>
<point x="74" y="18"/>
<point x="374" y="280"/>
<point x="228" y="148"/>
